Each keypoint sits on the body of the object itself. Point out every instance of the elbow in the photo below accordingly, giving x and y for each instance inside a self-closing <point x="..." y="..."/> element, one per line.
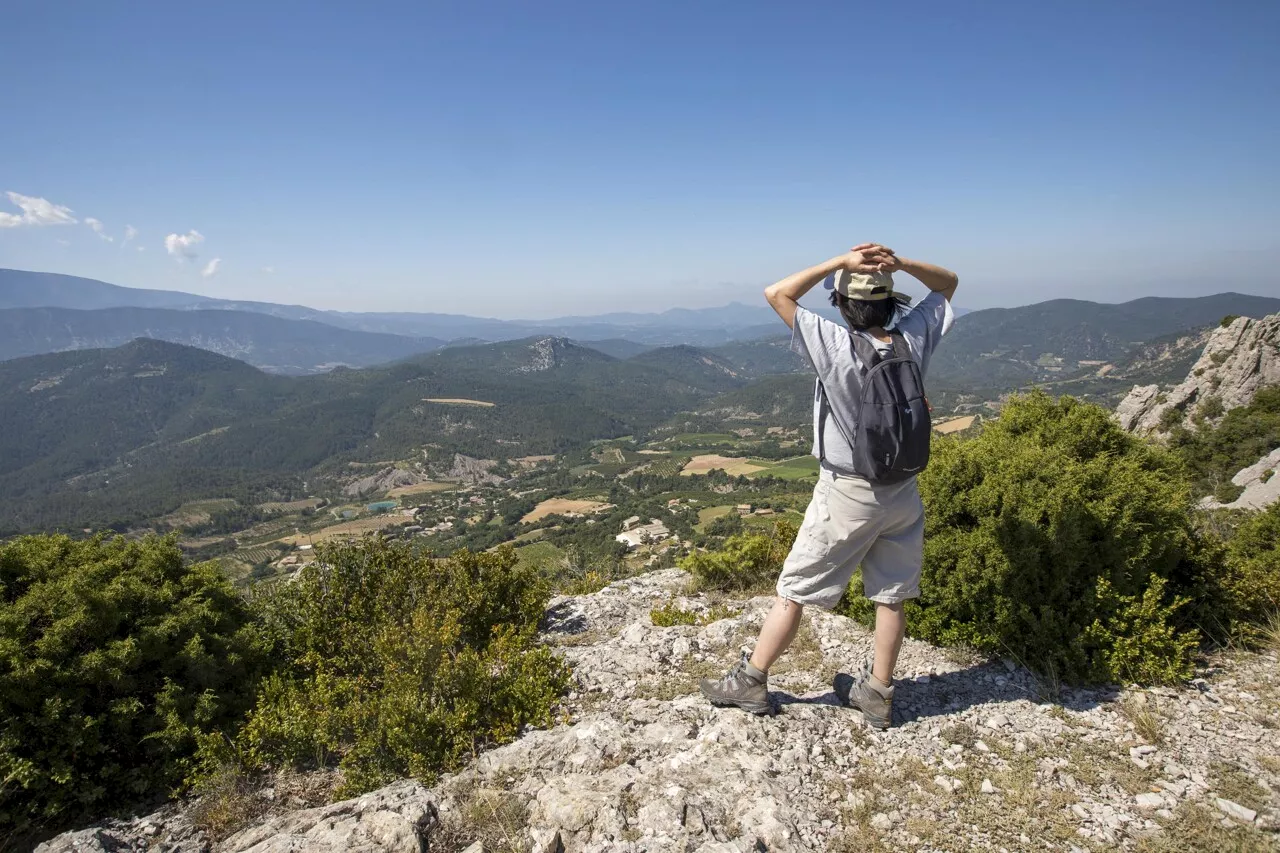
<point x="771" y="294"/>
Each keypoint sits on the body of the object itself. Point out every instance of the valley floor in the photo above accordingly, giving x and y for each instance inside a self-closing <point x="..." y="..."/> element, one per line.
<point x="983" y="755"/>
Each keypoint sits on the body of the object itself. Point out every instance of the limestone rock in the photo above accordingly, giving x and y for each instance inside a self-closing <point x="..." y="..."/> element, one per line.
<point x="1260" y="483"/>
<point x="395" y="819"/>
<point x="1238" y="359"/>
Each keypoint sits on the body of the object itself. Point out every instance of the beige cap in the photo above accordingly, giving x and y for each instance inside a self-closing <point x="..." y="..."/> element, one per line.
<point x="877" y="285"/>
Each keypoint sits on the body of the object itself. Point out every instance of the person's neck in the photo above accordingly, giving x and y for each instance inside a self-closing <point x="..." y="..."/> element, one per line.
<point x="879" y="334"/>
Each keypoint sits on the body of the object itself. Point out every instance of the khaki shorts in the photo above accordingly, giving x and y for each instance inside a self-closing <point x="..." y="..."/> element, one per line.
<point x="851" y="522"/>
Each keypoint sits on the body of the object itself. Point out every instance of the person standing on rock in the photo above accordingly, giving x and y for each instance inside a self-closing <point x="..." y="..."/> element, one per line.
<point x="871" y="436"/>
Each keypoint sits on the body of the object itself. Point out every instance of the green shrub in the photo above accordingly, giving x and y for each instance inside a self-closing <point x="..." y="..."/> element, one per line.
<point x="115" y="659"/>
<point x="1252" y="579"/>
<point x="1228" y="320"/>
<point x="671" y="614"/>
<point x="1227" y="492"/>
<point x="1170" y="418"/>
<point x="395" y="664"/>
<point x="748" y="562"/>
<point x="1211" y="407"/>
<point x="1245" y="434"/>
<point x="1056" y="537"/>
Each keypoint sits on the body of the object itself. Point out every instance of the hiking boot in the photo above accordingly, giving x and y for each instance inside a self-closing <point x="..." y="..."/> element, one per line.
<point x="875" y="702"/>
<point x="743" y="687"/>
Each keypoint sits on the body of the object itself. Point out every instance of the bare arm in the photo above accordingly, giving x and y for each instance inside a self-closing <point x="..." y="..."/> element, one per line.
<point x="785" y="295"/>
<point x="936" y="278"/>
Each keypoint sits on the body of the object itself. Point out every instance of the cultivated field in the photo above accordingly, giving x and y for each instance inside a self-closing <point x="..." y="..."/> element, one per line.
<point x="420" y="488"/>
<point x="358" y="527"/>
<point x="291" y="506"/>
<point x="733" y="466"/>
<point x="954" y="424"/>
<point x="559" y="506"/>
<point x="459" y="401"/>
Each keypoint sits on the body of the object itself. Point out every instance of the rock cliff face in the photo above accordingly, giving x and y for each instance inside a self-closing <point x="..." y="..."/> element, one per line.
<point x="983" y="755"/>
<point x="1238" y="359"/>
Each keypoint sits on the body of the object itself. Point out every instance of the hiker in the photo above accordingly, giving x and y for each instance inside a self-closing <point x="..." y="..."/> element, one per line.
<point x="871" y="437"/>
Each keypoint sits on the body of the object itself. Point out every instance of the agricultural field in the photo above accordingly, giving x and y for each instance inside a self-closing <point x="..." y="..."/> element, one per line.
<point x="420" y="489"/>
<point x="734" y="466"/>
<point x="708" y="514"/>
<point x="197" y="512"/>
<point x="459" y="401"/>
<point x="952" y="425"/>
<point x="540" y="555"/>
<point x="357" y="527"/>
<point x="292" y="506"/>
<point x="797" y="468"/>
<point x="560" y="506"/>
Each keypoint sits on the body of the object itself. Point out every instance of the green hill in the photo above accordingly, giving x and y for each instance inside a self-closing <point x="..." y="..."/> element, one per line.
<point x="100" y="437"/>
<point x="700" y="368"/>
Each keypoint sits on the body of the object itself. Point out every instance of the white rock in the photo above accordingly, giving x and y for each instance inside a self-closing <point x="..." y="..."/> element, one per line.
<point x="987" y="787"/>
<point x="881" y="822"/>
<point x="1148" y="801"/>
<point x="1236" y="810"/>
<point x="998" y="721"/>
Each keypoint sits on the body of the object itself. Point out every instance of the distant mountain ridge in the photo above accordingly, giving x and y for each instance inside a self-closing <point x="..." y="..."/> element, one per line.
<point x="700" y="327"/>
<point x="274" y="344"/>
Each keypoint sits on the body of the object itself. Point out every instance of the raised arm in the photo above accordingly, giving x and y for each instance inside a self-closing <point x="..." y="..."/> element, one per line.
<point x="934" y="277"/>
<point x="785" y="295"/>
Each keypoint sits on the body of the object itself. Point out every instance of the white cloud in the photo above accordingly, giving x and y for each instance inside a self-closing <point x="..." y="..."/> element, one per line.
<point x="181" y="246"/>
<point x="35" y="211"/>
<point x="129" y="233"/>
<point x="211" y="268"/>
<point x="98" y="228"/>
<point x="269" y="270"/>
<point x="62" y="242"/>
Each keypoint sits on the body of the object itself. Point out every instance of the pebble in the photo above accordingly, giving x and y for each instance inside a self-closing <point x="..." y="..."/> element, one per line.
<point x="998" y="721"/>
<point x="987" y="787"/>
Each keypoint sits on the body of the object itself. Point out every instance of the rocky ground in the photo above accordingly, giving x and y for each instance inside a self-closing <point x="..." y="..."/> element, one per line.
<point x="984" y="755"/>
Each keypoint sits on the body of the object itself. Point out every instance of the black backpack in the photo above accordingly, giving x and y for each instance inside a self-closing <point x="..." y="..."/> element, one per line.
<point x="890" y="438"/>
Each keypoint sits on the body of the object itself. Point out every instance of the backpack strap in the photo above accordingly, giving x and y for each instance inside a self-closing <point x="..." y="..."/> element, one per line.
<point x="900" y="348"/>
<point x="868" y="357"/>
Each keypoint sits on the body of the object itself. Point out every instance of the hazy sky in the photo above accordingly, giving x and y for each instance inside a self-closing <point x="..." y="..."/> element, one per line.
<point x="537" y="159"/>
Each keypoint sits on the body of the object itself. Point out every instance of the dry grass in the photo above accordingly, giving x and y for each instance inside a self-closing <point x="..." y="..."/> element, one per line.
<point x="420" y="488"/>
<point x="1198" y="828"/>
<point x="1148" y="721"/>
<point x="345" y="530"/>
<point x="495" y="818"/>
<point x="232" y="798"/>
<point x="1238" y="785"/>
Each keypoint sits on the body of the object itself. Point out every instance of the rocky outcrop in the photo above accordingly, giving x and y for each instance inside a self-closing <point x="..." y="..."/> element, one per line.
<point x="385" y="480"/>
<point x="983" y="754"/>
<point x="1260" y="483"/>
<point x="395" y="819"/>
<point x="1238" y="359"/>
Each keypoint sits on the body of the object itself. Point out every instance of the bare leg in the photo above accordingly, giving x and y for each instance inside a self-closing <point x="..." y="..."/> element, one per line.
<point x="779" y="629"/>
<point x="890" y="626"/>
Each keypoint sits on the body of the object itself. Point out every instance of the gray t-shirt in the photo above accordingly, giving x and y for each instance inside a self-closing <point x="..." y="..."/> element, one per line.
<point x="827" y="346"/>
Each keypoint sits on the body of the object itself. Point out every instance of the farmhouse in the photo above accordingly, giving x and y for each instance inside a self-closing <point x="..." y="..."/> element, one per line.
<point x="654" y="531"/>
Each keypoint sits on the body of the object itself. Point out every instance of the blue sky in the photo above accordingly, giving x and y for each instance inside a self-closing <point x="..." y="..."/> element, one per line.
<point x="532" y="160"/>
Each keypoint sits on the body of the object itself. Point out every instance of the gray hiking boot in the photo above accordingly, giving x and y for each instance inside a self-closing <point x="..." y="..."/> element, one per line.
<point x="875" y="702"/>
<point x="744" y="687"/>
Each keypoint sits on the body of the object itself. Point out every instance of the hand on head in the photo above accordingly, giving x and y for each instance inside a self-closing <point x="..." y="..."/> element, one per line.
<point x="867" y="258"/>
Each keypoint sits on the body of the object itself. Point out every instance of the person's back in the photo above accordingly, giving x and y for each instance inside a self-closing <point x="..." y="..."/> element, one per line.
<point x="863" y="513"/>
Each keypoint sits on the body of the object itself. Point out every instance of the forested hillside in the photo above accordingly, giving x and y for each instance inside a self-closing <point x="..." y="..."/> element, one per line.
<point x="99" y="437"/>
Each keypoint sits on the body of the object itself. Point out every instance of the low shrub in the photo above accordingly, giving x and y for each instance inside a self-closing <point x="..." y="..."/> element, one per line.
<point x="1056" y="537"/>
<point x="748" y="562"/>
<point x="671" y="614"/>
<point x="1252" y="572"/>
<point x="116" y="658"/>
<point x="395" y="664"/>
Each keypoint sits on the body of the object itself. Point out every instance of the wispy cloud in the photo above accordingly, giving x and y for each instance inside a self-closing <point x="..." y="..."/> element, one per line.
<point x="269" y="270"/>
<point x="211" y="268"/>
<point x="98" y="228"/>
<point x="182" y="246"/>
<point x="35" y="211"/>
<point x="129" y="233"/>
